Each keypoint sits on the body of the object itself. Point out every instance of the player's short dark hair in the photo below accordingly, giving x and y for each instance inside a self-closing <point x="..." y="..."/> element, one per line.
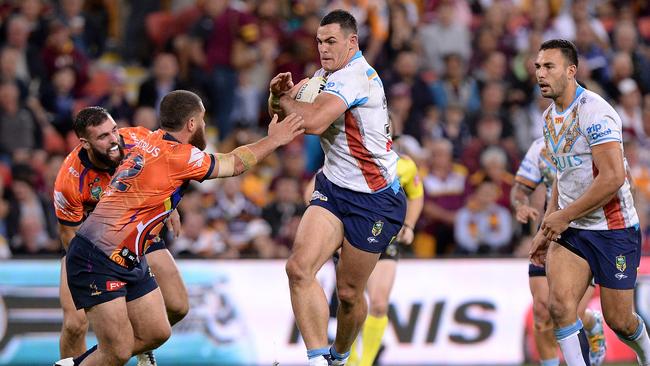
<point x="341" y="17"/>
<point x="568" y="49"/>
<point x="177" y="107"/>
<point x="89" y="116"/>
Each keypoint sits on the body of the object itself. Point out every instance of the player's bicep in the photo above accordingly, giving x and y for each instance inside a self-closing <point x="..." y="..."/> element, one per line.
<point x="608" y="161"/>
<point x="327" y="107"/>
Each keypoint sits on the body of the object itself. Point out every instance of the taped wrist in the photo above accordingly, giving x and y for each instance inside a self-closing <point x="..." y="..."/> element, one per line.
<point x="246" y="155"/>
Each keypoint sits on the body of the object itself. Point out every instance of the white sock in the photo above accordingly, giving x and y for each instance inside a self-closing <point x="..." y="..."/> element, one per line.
<point x="573" y="343"/>
<point x="316" y="356"/>
<point x="318" y="361"/>
<point x="639" y="342"/>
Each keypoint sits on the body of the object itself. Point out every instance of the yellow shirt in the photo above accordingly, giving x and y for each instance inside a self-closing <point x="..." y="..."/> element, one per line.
<point x="409" y="179"/>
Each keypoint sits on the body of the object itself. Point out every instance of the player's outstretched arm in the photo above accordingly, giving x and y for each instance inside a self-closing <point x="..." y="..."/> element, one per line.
<point x="319" y="114"/>
<point x="244" y="157"/>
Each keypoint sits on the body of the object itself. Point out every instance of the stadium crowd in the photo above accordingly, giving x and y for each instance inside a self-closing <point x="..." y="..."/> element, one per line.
<point x="458" y="75"/>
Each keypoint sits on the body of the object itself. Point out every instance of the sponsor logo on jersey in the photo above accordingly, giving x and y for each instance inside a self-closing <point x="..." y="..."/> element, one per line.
<point x="196" y="157"/>
<point x="564" y="162"/>
<point x="597" y="131"/>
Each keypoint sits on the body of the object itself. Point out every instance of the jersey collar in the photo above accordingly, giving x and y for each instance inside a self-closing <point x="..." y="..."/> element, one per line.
<point x="85" y="161"/>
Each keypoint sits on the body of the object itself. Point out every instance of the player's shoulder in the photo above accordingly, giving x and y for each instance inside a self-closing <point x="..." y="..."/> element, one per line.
<point x="537" y="145"/>
<point x="70" y="172"/>
<point x="592" y="102"/>
<point x="132" y="135"/>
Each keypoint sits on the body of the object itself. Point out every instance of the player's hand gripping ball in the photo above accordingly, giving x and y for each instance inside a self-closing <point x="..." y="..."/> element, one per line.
<point x="310" y="90"/>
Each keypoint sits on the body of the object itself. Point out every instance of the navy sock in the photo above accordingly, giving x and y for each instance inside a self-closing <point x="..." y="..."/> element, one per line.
<point x="77" y="361"/>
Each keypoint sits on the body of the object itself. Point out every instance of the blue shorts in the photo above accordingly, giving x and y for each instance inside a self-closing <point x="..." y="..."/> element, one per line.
<point x="157" y="244"/>
<point x="93" y="278"/>
<point x="613" y="255"/>
<point x="536" y="271"/>
<point x="371" y="221"/>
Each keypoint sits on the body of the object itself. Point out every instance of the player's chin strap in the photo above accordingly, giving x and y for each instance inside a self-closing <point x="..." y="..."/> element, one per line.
<point x="227" y="165"/>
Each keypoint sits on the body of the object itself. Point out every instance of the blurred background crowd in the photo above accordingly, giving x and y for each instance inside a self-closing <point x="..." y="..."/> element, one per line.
<point x="458" y="75"/>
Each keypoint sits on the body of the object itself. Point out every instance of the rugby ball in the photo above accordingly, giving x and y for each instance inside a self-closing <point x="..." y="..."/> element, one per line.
<point x="311" y="89"/>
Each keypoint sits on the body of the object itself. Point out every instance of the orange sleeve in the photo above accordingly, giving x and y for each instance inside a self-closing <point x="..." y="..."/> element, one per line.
<point x="132" y="135"/>
<point x="68" y="204"/>
<point x="187" y="162"/>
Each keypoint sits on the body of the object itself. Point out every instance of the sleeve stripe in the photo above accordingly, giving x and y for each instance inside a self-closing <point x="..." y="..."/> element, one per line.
<point x="608" y="139"/>
<point x="209" y="173"/>
<point x="527" y="182"/>
<point x="70" y="223"/>
<point x="339" y="95"/>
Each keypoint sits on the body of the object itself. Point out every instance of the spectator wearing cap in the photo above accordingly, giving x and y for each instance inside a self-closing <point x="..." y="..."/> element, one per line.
<point x="629" y="107"/>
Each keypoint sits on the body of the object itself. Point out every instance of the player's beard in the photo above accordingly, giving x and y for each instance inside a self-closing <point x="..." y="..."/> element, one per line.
<point x="105" y="158"/>
<point x="198" y="139"/>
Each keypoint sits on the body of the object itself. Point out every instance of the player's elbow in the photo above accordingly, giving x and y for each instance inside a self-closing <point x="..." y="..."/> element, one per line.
<point x="614" y="182"/>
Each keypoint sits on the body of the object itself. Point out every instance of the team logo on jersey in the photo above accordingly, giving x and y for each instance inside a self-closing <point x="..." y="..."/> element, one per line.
<point x="94" y="290"/>
<point x="621" y="265"/>
<point x="96" y="192"/>
<point x="376" y="228"/>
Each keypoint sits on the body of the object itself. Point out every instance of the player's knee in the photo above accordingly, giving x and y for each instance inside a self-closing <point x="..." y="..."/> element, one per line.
<point x="620" y="323"/>
<point x="348" y="296"/>
<point x="296" y="273"/>
<point x="177" y="309"/>
<point x="541" y="313"/>
<point x="161" y="336"/>
<point x="378" y="307"/>
<point x="75" y="324"/>
<point x="559" y="309"/>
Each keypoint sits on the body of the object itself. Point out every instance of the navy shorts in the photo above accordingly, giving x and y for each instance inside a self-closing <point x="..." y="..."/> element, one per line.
<point x="94" y="278"/>
<point x="536" y="271"/>
<point x="157" y="244"/>
<point x="370" y="220"/>
<point x="613" y="255"/>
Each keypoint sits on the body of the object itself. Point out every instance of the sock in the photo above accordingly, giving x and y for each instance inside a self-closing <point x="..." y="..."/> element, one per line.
<point x="639" y="342"/>
<point x="573" y="343"/>
<point x="373" y="332"/>
<point x="550" y="362"/>
<point x="338" y="356"/>
<point x="315" y="356"/>
<point x="77" y="361"/>
<point x="354" y="355"/>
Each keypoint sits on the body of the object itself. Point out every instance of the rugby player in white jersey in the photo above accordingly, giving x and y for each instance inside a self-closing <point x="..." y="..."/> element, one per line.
<point x="590" y="227"/>
<point x="537" y="168"/>
<point x="357" y="199"/>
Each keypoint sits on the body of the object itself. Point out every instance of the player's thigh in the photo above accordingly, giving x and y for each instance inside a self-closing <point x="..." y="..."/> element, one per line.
<point x="353" y="270"/>
<point x="149" y="317"/>
<point x="169" y="279"/>
<point x="381" y="280"/>
<point x="568" y="276"/>
<point x="617" y="305"/>
<point x="319" y="234"/>
<point x="586" y="299"/>
<point x="111" y="325"/>
<point x="73" y="318"/>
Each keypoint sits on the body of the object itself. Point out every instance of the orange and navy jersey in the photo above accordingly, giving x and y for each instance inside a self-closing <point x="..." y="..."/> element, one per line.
<point x="79" y="184"/>
<point x="146" y="187"/>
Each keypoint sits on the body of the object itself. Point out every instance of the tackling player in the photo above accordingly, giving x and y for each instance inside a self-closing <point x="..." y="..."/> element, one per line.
<point x="108" y="274"/>
<point x="81" y="181"/>
<point x="591" y="227"/>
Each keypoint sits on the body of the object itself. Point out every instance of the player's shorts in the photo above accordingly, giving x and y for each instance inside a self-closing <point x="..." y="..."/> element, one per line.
<point x="370" y="220"/>
<point x="540" y="271"/>
<point x="158" y="243"/>
<point x="613" y="255"/>
<point x="94" y="278"/>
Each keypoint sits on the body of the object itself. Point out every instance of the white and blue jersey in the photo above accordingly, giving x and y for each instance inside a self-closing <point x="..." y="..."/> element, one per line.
<point x="569" y="137"/>
<point x="537" y="168"/>
<point x="357" y="146"/>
